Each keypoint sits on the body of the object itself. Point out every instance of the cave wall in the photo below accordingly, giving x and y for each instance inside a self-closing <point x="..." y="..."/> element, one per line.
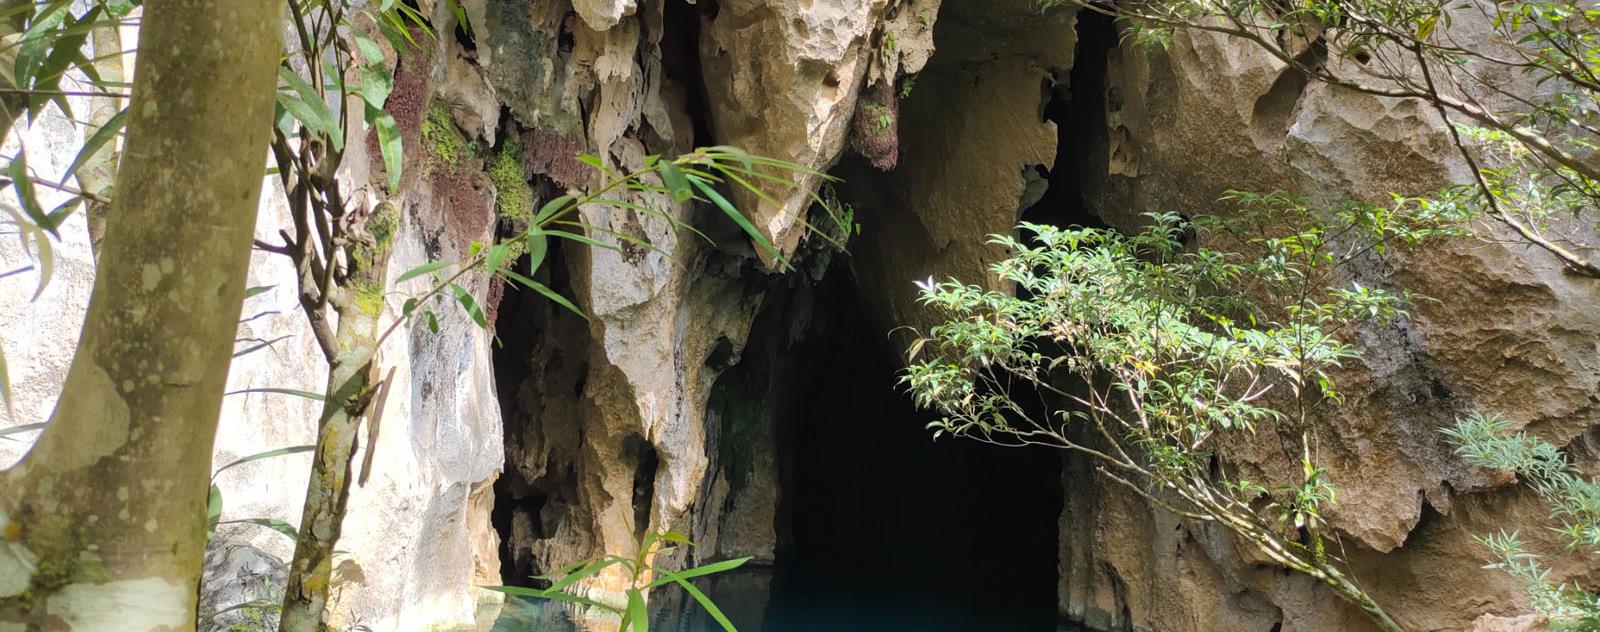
<point x="661" y="410"/>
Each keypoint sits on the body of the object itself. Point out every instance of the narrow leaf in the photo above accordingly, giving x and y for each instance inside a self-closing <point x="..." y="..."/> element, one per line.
<point x="265" y="455"/>
<point x="740" y="219"/>
<point x="699" y="571"/>
<point x="676" y="182"/>
<point x="390" y="143"/>
<point x="26" y="196"/>
<point x="706" y="603"/>
<point x="274" y="524"/>
<point x="4" y="432"/>
<point x="279" y="391"/>
<point x="550" y="209"/>
<point x="541" y="288"/>
<point x="538" y="248"/>
<point x="468" y="303"/>
<point x="636" y="613"/>
<point x="426" y="268"/>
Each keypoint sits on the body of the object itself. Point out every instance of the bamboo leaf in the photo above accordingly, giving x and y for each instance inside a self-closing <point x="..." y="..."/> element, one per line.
<point x="5" y="432"/>
<point x="280" y="391"/>
<point x="636" y="613"/>
<point x="27" y="197"/>
<point x="264" y="455"/>
<point x="677" y="183"/>
<point x="538" y="248"/>
<point x="496" y="256"/>
<point x="213" y="510"/>
<point x="262" y="345"/>
<point x="258" y="290"/>
<point x="37" y="41"/>
<point x="541" y="288"/>
<point x="550" y="209"/>
<point x="582" y="239"/>
<point x="468" y="303"/>
<point x="47" y="265"/>
<point x="426" y="268"/>
<point x="308" y="107"/>
<point x="740" y="219"/>
<point x="369" y="49"/>
<point x="390" y="143"/>
<point x="274" y="524"/>
<point x="704" y="601"/>
<point x="699" y="571"/>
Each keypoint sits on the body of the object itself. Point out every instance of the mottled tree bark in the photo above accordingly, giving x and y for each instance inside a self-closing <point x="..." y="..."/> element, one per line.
<point x="357" y="298"/>
<point x="102" y="524"/>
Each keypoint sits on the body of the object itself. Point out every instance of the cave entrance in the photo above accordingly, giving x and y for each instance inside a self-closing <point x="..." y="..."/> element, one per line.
<point x="882" y="528"/>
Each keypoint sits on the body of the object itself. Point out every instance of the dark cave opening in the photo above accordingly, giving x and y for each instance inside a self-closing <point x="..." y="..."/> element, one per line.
<point x="540" y="365"/>
<point x="1078" y="109"/>
<point x="882" y="528"/>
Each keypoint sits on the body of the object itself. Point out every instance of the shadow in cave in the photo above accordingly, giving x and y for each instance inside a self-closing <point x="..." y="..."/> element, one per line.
<point x="882" y="528"/>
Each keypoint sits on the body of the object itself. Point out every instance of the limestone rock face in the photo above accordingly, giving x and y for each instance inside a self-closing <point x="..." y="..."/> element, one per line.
<point x="973" y="136"/>
<point x="1509" y="332"/>
<point x="783" y="78"/>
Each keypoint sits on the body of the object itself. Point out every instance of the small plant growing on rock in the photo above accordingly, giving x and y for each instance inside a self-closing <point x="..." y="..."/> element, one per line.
<point x="1488" y="441"/>
<point x="642" y="576"/>
<point x="1149" y="355"/>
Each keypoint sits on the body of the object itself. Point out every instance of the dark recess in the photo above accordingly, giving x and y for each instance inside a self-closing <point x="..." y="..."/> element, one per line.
<point x="537" y="360"/>
<point x="886" y="529"/>
<point x="1078" y="109"/>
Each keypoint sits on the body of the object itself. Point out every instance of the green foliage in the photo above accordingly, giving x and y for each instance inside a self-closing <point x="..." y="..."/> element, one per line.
<point x="448" y="149"/>
<point x="642" y="576"/>
<point x="1488" y="441"/>
<point x="1532" y="151"/>
<point x="693" y="176"/>
<point x="513" y="194"/>
<point x="1166" y="351"/>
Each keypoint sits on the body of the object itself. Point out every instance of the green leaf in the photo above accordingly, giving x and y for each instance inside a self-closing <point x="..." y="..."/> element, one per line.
<point x="26" y="196"/>
<point x="538" y="248"/>
<point x="47" y="264"/>
<point x="677" y="184"/>
<point x="390" y="143"/>
<point x="280" y="391"/>
<point x="636" y="615"/>
<point x="120" y="8"/>
<point x="22" y="428"/>
<point x="541" y="288"/>
<point x="558" y="596"/>
<point x="308" y="107"/>
<point x="265" y="455"/>
<point x="582" y="573"/>
<point x="550" y="209"/>
<point x="369" y="49"/>
<point x="426" y="268"/>
<point x="496" y="256"/>
<point x="468" y="303"/>
<point x="271" y="523"/>
<point x="213" y="510"/>
<point x="64" y="52"/>
<point x="261" y="345"/>
<point x="700" y="571"/>
<point x="376" y="84"/>
<point x="258" y="290"/>
<point x="704" y="601"/>
<point x="5" y="387"/>
<point x="37" y="41"/>
<point x="582" y="239"/>
<point x="433" y="321"/>
<point x="740" y="219"/>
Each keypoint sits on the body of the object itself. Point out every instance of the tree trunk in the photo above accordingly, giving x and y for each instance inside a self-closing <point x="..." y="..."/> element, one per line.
<point x="358" y="298"/>
<point x="102" y="524"/>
